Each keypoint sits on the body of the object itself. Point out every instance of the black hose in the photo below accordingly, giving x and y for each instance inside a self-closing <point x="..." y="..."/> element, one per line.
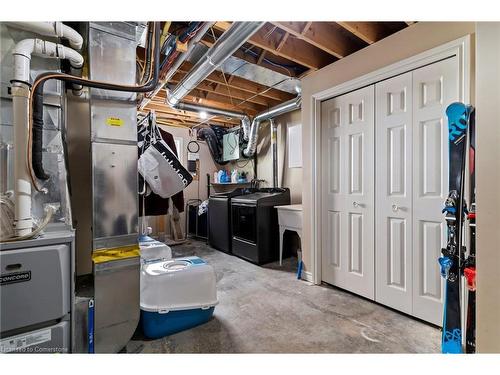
<point x="147" y="65"/>
<point x="37" y="131"/>
<point x="38" y="135"/>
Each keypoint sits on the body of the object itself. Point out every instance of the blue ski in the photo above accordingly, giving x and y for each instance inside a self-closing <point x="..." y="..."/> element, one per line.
<point x="452" y="255"/>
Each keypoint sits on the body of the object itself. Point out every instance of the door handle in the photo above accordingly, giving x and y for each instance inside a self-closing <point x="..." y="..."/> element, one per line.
<point x="396" y="208"/>
<point x="357" y="204"/>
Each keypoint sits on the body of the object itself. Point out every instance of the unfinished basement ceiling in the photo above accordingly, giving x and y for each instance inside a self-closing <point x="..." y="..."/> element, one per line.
<point x="266" y="70"/>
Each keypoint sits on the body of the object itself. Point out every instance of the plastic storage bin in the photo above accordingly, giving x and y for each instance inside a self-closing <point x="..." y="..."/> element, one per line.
<point x="176" y="294"/>
<point x="153" y="250"/>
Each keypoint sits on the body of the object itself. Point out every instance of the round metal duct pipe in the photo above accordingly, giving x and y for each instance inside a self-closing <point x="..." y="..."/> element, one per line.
<point x="225" y="46"/>
<point x="266" y="115"/>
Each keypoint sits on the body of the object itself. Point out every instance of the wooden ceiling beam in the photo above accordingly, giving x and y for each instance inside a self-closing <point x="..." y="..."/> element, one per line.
<point x="293" y="49"/>
<point x="370" y="32"/>
<point x="218" y="98"/>
<point x="181" y="118"/>
<point x="208" y="41"/>
<point x="261" y="57"/>
<point x="236" y="93"/>
<point x="282" y="41"/>
<point x="220" y="104"/>
<point x="306" y="27"/>
<point x="321" y="35"/>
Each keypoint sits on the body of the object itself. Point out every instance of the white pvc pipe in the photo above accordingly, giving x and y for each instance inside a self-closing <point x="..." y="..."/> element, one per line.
<point x="55" y="29"/>
<point x="22" y="186"/>
<point x="28" y="47"/>
<point x="20" y="102"/>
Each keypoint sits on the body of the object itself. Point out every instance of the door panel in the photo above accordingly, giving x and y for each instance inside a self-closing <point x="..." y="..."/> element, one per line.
<point x="394" y="192"/>
<point x="333" y="243"/>
<point x="434" y="87"/>
<point x="356" y="243"/>
<point x="348" y="192"/>
<point x="399" y="266"/>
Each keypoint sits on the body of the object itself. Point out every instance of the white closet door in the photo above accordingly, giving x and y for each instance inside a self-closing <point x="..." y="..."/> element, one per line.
<point x="393" y="224"/>
<point x="348" y="191"/>
<point x="434" y="87"/>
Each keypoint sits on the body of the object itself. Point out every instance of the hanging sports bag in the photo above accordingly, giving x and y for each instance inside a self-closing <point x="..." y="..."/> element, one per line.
<point x="158" y="164"/>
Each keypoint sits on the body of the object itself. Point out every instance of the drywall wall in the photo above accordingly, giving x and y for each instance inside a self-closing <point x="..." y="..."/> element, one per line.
<point x="415" y="39"/>
<point x="488" y="186"/>
<point x="287" y="177"/>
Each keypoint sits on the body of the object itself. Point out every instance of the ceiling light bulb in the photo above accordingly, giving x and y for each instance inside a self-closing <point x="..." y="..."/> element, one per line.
<point x="203" y="115"/>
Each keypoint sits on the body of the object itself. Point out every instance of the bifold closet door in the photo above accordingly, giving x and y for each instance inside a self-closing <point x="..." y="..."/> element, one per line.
<point x="347" y="126"/>
<point x="435" y="86"/>
<point x="393" y="171"/>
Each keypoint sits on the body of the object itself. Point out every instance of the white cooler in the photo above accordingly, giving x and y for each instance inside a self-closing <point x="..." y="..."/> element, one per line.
<point x="152" y="250"/>
<point x="176" y="294"/>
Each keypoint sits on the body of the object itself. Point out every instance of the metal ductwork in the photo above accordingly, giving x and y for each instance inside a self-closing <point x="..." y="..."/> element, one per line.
<point x="280" y="109"/>
<point x="225" y="46"/>
<point x="243" y="117"/>
<point x="180" y="60"/>
<point x="274" y="146"/>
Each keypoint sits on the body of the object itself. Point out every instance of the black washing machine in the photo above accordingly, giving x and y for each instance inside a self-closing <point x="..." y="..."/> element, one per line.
<point x="219" y="219"/>
<point x="255" y="224"/>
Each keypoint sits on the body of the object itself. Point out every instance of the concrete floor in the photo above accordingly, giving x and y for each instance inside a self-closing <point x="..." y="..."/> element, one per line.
<point x="267" y="310"/>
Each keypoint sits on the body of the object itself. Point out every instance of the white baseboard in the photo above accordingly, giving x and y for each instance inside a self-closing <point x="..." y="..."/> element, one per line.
<point x="307" y="276"/>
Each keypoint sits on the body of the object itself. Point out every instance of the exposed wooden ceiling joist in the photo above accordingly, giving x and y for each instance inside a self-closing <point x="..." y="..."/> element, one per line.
<point x="185" y="117"/>
<point x="291" y="48"/>
<point x="370" y="32"/>
<point x="232" y="92"/>
<point x="294" y="49"/>
<point x="208" y="41"/>
<point x="261" y="57"/>
<point x="219" y="100"/>
<point x="321" y="35"/>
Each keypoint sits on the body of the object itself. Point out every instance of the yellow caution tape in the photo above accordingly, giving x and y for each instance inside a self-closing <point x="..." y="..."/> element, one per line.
<point x="116" y="253"/>
<point x="114" y="121"/>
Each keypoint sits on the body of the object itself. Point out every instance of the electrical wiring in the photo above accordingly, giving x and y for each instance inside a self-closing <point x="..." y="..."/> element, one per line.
<point x="244" y="165"/>
<point x="36" y="102"/>
<point x="148" y="52"/>
<point x="223" y="74"/>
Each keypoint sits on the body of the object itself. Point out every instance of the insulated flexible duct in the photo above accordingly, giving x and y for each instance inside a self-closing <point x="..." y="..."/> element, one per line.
<point x="209" y="136"/>
<point x="35" y="163"/>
